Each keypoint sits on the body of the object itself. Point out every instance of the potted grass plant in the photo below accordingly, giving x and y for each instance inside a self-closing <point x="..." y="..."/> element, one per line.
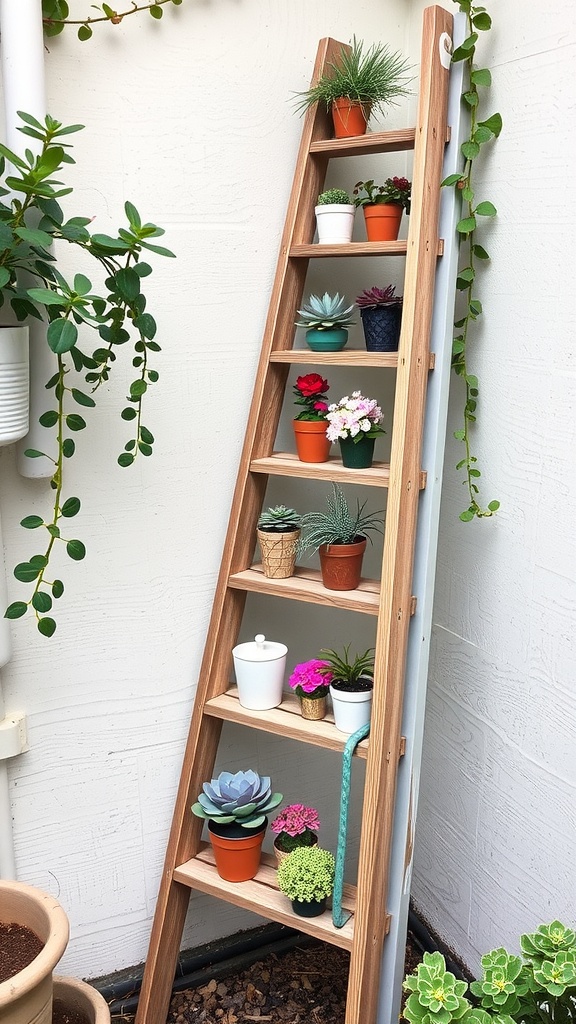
<point x="278" y="532"/>
<point x="310" y="681"/>
<point x="334" y="216"/>
<point x="235" y="807"/>
<point x="381" y="315"/>
<point x="357" y="83"/>
<point x="354" y="422"/>
<point x="383" y="206"/>
<point x="340" y="536"/>
<point x="306" y="877"/>
<point x="351" y="685"/>
<point x="295" y="826"/>
<point x="312" y="444"/>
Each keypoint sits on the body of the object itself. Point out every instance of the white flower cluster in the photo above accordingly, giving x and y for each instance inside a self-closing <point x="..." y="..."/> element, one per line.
<point x="352" y="416"/>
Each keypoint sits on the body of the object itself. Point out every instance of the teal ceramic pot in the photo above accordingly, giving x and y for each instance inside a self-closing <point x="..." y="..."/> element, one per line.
<point x="357" y="454"/>
<point x="327" y="341"/>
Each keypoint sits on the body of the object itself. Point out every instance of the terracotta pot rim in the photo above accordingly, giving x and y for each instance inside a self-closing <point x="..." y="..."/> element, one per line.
<point x="344" y="550"/>
<point x="55" y="939"/>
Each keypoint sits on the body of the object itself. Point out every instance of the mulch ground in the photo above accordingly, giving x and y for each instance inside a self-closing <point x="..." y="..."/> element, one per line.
<point x="304" y="986"/>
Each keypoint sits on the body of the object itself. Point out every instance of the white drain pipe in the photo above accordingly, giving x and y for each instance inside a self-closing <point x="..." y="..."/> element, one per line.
<point x="22" y="64"/>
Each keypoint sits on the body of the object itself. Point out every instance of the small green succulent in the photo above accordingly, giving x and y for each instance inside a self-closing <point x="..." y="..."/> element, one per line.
<point x="307" y="874"/>
<point x="279" y="520"/>
<point x="334" y="197"/>
<point x="325" y="313"/>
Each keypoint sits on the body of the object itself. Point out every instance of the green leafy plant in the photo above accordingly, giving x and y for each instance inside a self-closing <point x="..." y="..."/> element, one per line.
<point x="56" y="15"/>
<point x="334" y="197"/>
<point x="325" y="313"/>
<point x="307" y="874"/>
<point x="347" y="671"/>
<point x="537" y="988"/>
<point x="481" y="131"/>
<point x="279" y="520"/>
<point x="29" y="224"/>
<point x="377" y="77"/>
<point x="395" y="190"/>
<point x="338" y="524"/>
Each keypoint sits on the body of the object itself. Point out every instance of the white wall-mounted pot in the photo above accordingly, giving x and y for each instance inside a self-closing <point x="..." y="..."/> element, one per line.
<point x="351" y="709"/>
<point x="14" y="384"/>
<point x="335" y="223"/>
<point x="260" y="666"/>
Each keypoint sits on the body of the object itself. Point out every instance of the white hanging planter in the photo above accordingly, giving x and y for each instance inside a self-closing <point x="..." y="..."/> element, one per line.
<point x="14" y="384"/>
<point x="351" y="710"/>
<point x="335" y="223"/>
<point x="260" y="666"/>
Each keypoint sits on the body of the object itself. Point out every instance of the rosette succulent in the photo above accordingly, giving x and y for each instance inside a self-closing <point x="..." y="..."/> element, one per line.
<point x="279" y="520"/>
<point x="375" y="298"/>
<point x="244" y="798"/>
<point x="325" y="313"/>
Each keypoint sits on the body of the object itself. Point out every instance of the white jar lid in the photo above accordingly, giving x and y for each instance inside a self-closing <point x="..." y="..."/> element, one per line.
<point x="260" y="649"/>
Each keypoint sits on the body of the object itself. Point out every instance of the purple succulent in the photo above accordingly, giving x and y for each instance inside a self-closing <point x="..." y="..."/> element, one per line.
<point x="374" y="297"/>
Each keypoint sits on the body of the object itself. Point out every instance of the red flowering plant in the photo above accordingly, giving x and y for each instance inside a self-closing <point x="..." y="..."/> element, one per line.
<point x="295" y="826"/>
<point x="311" y="678"/>
<point x="394" y="190"/>
<point x="310" y="392"/>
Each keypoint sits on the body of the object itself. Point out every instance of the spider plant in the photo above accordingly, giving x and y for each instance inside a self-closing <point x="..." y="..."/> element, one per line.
<point x="338" y="524"/>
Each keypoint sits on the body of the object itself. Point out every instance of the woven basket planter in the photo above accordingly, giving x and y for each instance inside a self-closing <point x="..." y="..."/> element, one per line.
<point x="278" y="553"/>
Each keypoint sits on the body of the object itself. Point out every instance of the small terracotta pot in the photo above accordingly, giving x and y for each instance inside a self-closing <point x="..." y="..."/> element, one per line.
<point x="237" y="856"/>
<point x="350" y="117"/>
<point x="312" y="444"/>
<point x="382" y="221"/>
<point x="78" y="997"/>
<point x="341" y="564"/>
<point x="313" y="708"/>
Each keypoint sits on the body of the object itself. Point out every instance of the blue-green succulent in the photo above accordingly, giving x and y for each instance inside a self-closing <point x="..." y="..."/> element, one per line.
<point x="244" y="798"/>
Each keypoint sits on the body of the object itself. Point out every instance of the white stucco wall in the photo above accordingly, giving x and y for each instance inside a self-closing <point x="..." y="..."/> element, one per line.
<point x="108" y="698"/>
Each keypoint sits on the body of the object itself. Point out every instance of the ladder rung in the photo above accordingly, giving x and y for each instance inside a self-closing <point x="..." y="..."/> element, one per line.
<point x="348" y="357"/>
<point x="287" y="464"/>
<point x="398" y="248"/>
<point x="262" y="896"/>
<point x="306" y="585"/>
<point x="362" y="145"/>
<point x="285" y="721"/>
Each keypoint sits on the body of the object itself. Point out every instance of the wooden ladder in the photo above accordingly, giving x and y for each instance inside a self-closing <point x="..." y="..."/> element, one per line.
<point x="189" y="864"/>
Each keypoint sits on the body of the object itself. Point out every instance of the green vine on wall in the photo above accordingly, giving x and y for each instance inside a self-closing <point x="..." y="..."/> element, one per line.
<point x="481" y="132"/>
<point x="55" y="15"/>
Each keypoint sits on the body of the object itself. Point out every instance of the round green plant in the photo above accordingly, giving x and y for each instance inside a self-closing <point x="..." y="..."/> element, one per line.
<point x="334" y="197"/>
<point x="307" y="874"/>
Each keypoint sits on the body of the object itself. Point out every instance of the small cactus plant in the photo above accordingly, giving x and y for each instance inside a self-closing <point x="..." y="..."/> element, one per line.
<point x="325" y="313"/>
<point x="334" y="197"/>
<point x="279" y="520"/>
<point x="243" y="798"/>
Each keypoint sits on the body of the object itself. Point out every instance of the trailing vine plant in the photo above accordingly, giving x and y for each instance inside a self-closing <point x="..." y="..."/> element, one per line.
<point x="56" y="15"/>
<point x="30" y="223"/>
<point x="481" y="132"/>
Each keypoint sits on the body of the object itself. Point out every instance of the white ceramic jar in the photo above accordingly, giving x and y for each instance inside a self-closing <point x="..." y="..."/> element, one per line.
<point x="260" y="666"/>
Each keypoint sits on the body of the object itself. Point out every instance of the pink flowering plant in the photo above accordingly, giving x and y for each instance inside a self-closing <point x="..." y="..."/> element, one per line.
<point x="296" y="826"/>
<point x="354" y="417"/>
<point x="311" y="678"/>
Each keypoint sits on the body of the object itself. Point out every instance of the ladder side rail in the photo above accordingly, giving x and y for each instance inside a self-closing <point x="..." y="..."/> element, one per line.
<point x="402" y="507"/>
<point x="202" y="742"/>
<point x="398" y="898"/>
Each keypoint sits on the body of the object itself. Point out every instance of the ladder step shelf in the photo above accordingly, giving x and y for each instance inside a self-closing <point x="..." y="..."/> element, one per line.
<point x="287" y="464"/>
<point x="347" y="357"/>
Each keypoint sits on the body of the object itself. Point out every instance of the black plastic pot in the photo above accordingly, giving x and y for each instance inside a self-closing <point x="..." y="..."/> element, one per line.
<point x="382" y="327"/>
<point x="308" y="908"/>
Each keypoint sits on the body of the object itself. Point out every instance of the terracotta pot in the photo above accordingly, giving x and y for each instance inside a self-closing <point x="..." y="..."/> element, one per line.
<point x="341" y="564"/>
<point x="382" y="221"/>
<point x="350" y="117"/>
<point x="357" y="454"/>
<point x="312" y="444"/>
<point x="278" y="552"/>
<point x="27" y="996"/>
<point x="237" y="850"/>
<point x="313" y="708"/>
<point x="79" y="997"/>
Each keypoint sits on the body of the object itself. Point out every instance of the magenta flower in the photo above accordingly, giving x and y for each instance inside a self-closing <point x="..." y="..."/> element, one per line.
<point x="311" y="678"/>
<point x="295" y="819"/>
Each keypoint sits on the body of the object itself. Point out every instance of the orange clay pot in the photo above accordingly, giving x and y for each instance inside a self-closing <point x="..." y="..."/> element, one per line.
<point x="312" y="444"/>
<point x="237" y="860"/>
<point x="382" y="222"/>
<point x="350" y="117"/>
<point x="341" y="564"/>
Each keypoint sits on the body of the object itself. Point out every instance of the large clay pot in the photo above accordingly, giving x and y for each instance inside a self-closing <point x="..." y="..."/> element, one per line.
<point x="26" y="998"/>
<point x="341" y="564"/>
<point x="78" y="997"/>
<point x="382" y="221"/>
<point x="350" y="117"/>
<point x="236" y="850"/>
<point x="312" y="445"/>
